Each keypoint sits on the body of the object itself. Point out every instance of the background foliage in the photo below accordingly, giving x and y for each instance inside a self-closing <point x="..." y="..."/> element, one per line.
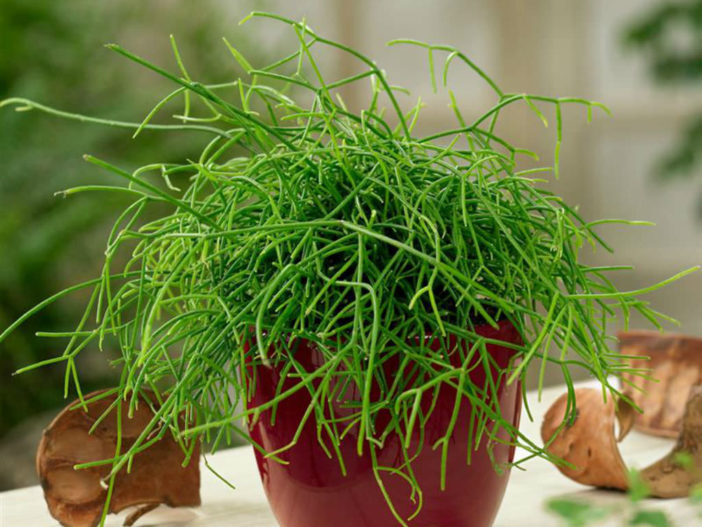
<point x="670" y="37"/>
<point x="47" y="51"/>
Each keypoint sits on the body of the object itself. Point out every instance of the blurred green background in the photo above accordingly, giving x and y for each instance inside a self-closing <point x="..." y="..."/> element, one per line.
<point x="53" y="52"/>
<point x="669" y="36"/>
<point x="641" y="57"/>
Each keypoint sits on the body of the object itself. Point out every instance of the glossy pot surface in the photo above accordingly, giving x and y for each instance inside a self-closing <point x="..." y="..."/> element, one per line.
<point x="311" y="491"/>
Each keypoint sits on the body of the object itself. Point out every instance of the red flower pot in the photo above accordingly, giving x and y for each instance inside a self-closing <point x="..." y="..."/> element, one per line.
<point x="311" y="491"/>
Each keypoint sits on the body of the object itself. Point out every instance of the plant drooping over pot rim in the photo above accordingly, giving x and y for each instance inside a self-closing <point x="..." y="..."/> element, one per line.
<point x="304" y="219"/>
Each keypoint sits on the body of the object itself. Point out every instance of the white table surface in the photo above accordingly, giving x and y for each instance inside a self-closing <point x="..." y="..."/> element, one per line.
<point x="246" y="506"/>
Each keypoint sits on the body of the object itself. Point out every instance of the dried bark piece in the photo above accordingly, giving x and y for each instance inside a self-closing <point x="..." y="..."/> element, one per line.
<point x="675" y="362"/>
<point x="589" y="445"/>
<point x="76" y="497"/>
<point x="666" y="478"/>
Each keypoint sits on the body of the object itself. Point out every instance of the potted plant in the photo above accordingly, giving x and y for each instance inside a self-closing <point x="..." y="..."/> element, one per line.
<point x="367" y="299"/>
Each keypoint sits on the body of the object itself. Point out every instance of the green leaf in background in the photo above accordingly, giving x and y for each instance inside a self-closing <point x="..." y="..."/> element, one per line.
<point x="577" y="513"/>
<point x="696" y="494"/>
<point x="685" y="460"/>
<point x="669" y="36"/>
<point x="653" y="518"/>
<point x="638" y="490"/>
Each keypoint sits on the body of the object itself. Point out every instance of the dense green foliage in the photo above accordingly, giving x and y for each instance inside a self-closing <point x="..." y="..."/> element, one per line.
<point x="301" y="218"/>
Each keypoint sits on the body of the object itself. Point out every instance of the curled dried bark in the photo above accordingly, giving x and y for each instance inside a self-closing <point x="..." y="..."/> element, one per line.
<point x="76" y="497"/>
<point x="588" y="444"/>
<point x="590" y="449"/>
<point x="675" y="364"/>
<point x="666" y="478"/>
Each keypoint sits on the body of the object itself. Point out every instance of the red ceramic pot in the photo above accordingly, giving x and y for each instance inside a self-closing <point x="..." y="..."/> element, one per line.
<point x="311" y="491"/>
